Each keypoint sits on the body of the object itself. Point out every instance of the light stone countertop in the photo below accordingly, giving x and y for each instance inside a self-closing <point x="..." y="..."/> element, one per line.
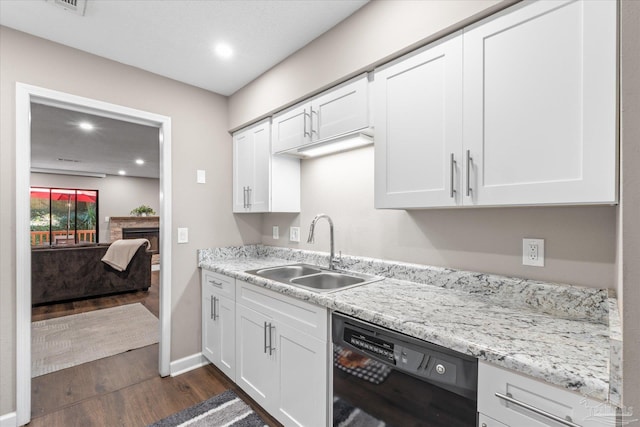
<point x="557" y="333"/>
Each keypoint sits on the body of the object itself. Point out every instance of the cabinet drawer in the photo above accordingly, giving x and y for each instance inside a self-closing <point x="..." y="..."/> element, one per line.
<point x="303" y="316"/>
<point x="220" y="283"/>
<point x="565" y="404"/>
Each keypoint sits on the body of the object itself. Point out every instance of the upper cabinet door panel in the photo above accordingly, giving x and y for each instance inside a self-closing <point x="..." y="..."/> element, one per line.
<point x="418" y="114"/>
<point x="291" y="128"/>
<point x="540" y="104"/>
<point x="242" y="170"/>
<point x="342" y="110"/>
<point x="259" y="194"/>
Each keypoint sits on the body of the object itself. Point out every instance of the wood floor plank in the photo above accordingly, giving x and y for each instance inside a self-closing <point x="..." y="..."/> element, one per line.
<point x="63" y="388"/>
<point x="125" y="389"/>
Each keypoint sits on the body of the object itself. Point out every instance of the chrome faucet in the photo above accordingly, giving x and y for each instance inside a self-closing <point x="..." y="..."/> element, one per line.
<point x="311" y="237"/>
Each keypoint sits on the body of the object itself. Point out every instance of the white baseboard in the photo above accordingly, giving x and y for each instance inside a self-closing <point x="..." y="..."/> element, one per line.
<point x="186" y="364"/>
<point x="9" y="420"/>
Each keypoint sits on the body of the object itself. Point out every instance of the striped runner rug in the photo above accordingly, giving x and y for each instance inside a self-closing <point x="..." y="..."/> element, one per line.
<point x="226" y="409"/>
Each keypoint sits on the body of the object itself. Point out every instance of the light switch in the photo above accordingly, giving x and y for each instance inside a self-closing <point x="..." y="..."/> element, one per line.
<point x="106" y="219"/>
<point x="183" y="235"/>
<point x="201" y="176"/>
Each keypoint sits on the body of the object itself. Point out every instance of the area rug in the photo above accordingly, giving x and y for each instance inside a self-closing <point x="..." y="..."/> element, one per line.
<point x="223" y="410"/>
<point x="68" y="341"/>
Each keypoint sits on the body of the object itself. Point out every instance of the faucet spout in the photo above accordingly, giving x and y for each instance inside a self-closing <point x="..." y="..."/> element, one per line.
<point x="311" y="239"/>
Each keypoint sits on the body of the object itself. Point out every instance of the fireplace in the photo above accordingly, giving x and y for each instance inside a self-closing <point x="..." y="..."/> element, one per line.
<point x="150" y="233"/>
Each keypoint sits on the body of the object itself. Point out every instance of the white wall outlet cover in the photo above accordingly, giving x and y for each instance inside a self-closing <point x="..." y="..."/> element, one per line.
<point x="533" y="252"/>
<point x="294" y="234"/>
<point x="183" y="235"/>
<point x="201" y="176"/>
<point x="276" y="232"/>
<point x="106" y="219"/>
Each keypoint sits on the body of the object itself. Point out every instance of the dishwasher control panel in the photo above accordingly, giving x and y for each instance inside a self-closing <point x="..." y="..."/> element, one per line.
<point x="438" y="365"/>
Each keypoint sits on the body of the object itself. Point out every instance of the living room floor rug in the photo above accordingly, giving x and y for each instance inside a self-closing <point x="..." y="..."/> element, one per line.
<point x="223" y="410"/>
<point x="68" y="341"/>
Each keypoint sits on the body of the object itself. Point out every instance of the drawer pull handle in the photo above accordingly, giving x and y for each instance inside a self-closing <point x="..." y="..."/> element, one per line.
<point x="213" y="282"/>
<point x="510" y="399"/>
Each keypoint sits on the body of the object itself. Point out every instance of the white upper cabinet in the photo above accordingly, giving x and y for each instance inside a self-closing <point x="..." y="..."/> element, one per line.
<point x="519" y="110"/>
<point x="338" y="111"/>
<point x="262" y="182"/>
<point x="418" y="140"/>
<point x="540" y="104"/>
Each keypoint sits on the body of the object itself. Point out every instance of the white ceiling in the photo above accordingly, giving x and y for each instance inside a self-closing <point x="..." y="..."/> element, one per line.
<point x="172" y="38"/>
<point x="175" y="38"/>
<point x="58" y="143"/>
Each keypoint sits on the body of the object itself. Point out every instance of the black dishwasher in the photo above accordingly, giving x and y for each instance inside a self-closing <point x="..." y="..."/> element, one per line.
<point x="382" y="377"/>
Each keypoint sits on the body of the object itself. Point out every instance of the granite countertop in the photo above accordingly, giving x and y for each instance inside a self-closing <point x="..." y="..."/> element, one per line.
<point x="566" y="335"/>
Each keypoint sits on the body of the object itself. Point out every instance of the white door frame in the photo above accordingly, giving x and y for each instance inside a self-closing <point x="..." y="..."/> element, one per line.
<point x="25" y="96"/>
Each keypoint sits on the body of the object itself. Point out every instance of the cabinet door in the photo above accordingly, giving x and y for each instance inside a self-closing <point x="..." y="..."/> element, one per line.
<point x="256" y="368"/>
<point x="291" y="128"/>
<point x="341" y="110"/>
<point x="540" y="104"/>
<point x="303" y="378"/>
<point x="259" y="193"/>
<point x="418" y="115"/>
<point x="225" y="318"/>
<point x="242" y="169"/>
<point x="251" y="169"/>
<point x="210" y="349"/>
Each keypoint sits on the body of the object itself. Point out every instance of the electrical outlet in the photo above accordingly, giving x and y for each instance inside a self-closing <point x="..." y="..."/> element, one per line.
<point x="294" y="234"/>
<point x="275" y="233"/>
<point x="533" y="252"/>
<point x="201" y="176"/>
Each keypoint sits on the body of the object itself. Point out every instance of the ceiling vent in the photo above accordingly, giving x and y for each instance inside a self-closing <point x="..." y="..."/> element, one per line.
<point x="75" y="6"/>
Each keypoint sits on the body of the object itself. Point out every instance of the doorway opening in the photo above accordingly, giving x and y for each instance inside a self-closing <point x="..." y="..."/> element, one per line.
<point x="26" y="96"/>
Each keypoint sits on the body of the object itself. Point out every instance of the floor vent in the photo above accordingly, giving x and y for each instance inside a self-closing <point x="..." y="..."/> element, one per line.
<point x="75" y="6"/>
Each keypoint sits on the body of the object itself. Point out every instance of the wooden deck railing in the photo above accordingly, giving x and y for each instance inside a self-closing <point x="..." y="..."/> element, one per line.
<point x="39" y="238"/>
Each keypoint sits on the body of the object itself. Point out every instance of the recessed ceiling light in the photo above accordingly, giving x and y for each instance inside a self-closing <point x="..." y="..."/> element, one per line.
<point x="121" y="172"/>
<point x="139" y="162"/>
<point x="85" y="126"/>
<point x="223" y="50"/>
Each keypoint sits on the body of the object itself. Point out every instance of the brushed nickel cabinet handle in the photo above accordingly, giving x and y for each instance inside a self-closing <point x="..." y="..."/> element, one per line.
<point x="469" y="160"/>
<point x="452" y="193"/>
<point x="212" y="308"/>
<point x="311" y="120"/>
<point x="215" y="311"/>
<point x="304" y="123"/>
<point x="565" y="421"/>
<point x="265" y="338"/>
<point x="249" y="197"/>
<point x="271" y="347"/>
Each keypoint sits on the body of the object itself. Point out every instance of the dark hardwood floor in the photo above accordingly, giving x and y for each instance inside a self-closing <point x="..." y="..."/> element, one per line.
<point x="125" y="389"/>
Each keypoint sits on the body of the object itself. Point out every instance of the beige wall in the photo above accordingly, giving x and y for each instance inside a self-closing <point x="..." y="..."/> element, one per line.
<point x="629" y="212"/>
<point x="199" y="141"/>
<point x="579" y="241"/>
<point x="117" y="194"/>
<point x="379" y="31"/>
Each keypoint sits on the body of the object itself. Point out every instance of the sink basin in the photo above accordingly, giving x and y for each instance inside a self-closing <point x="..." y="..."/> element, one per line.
<point x="313" y="277"/>
<point x="327" y="280"/>
<point x="286" y="272"/>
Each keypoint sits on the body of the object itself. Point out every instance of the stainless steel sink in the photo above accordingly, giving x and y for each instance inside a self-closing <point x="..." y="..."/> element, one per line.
<point x="314" y="278"/>
<point x="286" y="272"/>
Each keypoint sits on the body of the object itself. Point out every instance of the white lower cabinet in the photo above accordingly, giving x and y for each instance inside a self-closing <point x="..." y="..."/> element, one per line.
<point x="218" y="321"/>
<point x="282" y="355"/>
<point x="509" y="399"/>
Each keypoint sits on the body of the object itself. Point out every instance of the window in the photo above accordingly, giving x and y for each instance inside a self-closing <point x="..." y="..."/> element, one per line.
<point x="63" y="216"/>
